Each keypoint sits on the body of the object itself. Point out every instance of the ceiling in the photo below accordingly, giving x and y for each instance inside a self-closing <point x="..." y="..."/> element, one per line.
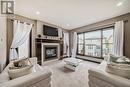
<point x="70" y="14"/>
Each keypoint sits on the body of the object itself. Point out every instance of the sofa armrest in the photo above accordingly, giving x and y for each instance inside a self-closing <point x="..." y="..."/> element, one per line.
<point x="109" y="78"/>
<point x="30" y="79"/>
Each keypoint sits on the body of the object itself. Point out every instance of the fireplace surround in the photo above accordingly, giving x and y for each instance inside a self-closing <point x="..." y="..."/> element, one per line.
<point x="50" y="51"/>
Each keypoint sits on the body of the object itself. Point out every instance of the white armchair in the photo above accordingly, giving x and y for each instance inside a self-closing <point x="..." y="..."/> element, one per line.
<point x="40" y="78"/>
<point x="98" y="77"/>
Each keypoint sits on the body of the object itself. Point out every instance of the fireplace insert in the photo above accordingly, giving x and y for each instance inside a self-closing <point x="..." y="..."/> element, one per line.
<point x="50" y="52"/>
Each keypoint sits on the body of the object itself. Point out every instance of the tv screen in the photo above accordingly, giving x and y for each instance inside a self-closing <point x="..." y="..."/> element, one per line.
<point x="50" y="31"/>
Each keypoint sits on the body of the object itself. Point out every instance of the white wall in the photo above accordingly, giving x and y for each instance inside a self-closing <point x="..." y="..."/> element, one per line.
<point x="2" y="42"/>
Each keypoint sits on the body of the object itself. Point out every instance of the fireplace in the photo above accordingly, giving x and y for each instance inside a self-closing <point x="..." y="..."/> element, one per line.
<point x="50" y="51"/>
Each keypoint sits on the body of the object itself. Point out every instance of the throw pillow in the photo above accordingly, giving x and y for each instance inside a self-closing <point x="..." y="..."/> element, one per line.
<point x="15" y="73"/>
<point x="22" y="62"/>
<point x="123" y="60"/>
<point x="20" y="67"/>
<point x="112" y="58"/>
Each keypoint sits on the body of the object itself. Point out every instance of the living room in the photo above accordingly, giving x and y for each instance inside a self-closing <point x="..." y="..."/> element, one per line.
<point x="64" y="43"/>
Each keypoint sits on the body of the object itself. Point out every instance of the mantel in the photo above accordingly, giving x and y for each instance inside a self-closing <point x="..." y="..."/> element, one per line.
<point x="40" y="40"/>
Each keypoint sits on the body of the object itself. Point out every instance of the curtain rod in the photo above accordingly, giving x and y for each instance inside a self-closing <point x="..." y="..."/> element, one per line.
<point x="23" y="22"/>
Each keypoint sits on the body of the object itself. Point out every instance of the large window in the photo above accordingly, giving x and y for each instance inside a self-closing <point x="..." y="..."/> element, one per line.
<point x="96" y="43"/>
<point x="80" y="43"/>
<point x="93" y="43"/>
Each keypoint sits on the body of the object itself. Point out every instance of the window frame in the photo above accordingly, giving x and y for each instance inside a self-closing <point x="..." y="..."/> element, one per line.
<point x="101" y="29"/>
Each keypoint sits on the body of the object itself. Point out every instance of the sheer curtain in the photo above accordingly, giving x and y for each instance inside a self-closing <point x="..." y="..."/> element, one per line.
<point x="74" y="49"/>
<point x="66" y="44"/>
<point x="118" y="38"/>
<point x="23" y="50"/>
<point x="21" y="34"/>
<point x="3" y="39"/>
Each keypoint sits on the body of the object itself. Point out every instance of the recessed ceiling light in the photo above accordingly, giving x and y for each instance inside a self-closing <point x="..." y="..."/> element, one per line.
<point x="68" y="25"/>
<point x="37" y="12"/>
<point x="119" y="4"/>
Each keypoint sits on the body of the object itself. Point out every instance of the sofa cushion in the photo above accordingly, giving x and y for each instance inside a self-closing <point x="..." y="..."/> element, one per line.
<point x="119" y="69"/>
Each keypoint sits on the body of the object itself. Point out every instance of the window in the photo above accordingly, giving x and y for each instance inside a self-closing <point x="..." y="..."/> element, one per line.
<point x="80" y="43"/>
<point x="93" y="43"/>
<point x="96" y="43"/>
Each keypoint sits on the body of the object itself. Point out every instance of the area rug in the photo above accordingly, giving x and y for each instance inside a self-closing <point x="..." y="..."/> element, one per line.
<point x="63" y="77"/>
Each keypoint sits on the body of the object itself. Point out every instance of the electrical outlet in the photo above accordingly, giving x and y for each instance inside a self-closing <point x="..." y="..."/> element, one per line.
<point x="1" y="40"/>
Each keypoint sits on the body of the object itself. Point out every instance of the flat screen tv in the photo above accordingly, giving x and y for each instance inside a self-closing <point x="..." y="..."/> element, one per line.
<point x="50" y="31"/>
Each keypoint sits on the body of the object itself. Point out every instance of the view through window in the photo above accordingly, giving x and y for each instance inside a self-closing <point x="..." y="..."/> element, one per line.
<point x="96" y="43"/>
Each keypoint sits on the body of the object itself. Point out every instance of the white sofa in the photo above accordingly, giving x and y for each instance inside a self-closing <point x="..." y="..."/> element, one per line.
<point x="98" y="77"/>
<point x="41" y="77"/>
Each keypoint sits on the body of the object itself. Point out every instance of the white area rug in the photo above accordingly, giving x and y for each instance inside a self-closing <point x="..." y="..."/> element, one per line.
<point x="63" y="77"/>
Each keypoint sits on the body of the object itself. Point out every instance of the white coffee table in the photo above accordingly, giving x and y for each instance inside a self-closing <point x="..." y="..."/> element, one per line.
<point x="72" y="63"/>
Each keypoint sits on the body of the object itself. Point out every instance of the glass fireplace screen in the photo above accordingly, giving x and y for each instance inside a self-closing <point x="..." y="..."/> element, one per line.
<point x="50" y="52"/>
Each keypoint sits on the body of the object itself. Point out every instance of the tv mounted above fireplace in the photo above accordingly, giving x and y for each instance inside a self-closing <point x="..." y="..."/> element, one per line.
<point x="50" y="31"/>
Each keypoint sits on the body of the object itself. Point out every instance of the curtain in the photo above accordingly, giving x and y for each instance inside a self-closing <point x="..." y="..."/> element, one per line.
<point x="23" y="50"/>
<point x="74" y="49"/>
<point x="66" y="44"/>
<point x="21" y="33"/>
<point x="118" y="38"/>
<point x="2" y="43"/>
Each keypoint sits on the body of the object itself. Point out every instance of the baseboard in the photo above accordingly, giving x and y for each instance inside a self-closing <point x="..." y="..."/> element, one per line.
<point x="90" y="59"/>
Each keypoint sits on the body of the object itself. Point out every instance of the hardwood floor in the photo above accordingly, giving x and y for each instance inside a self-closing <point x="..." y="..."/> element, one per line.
<point x="63" y="77"/>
